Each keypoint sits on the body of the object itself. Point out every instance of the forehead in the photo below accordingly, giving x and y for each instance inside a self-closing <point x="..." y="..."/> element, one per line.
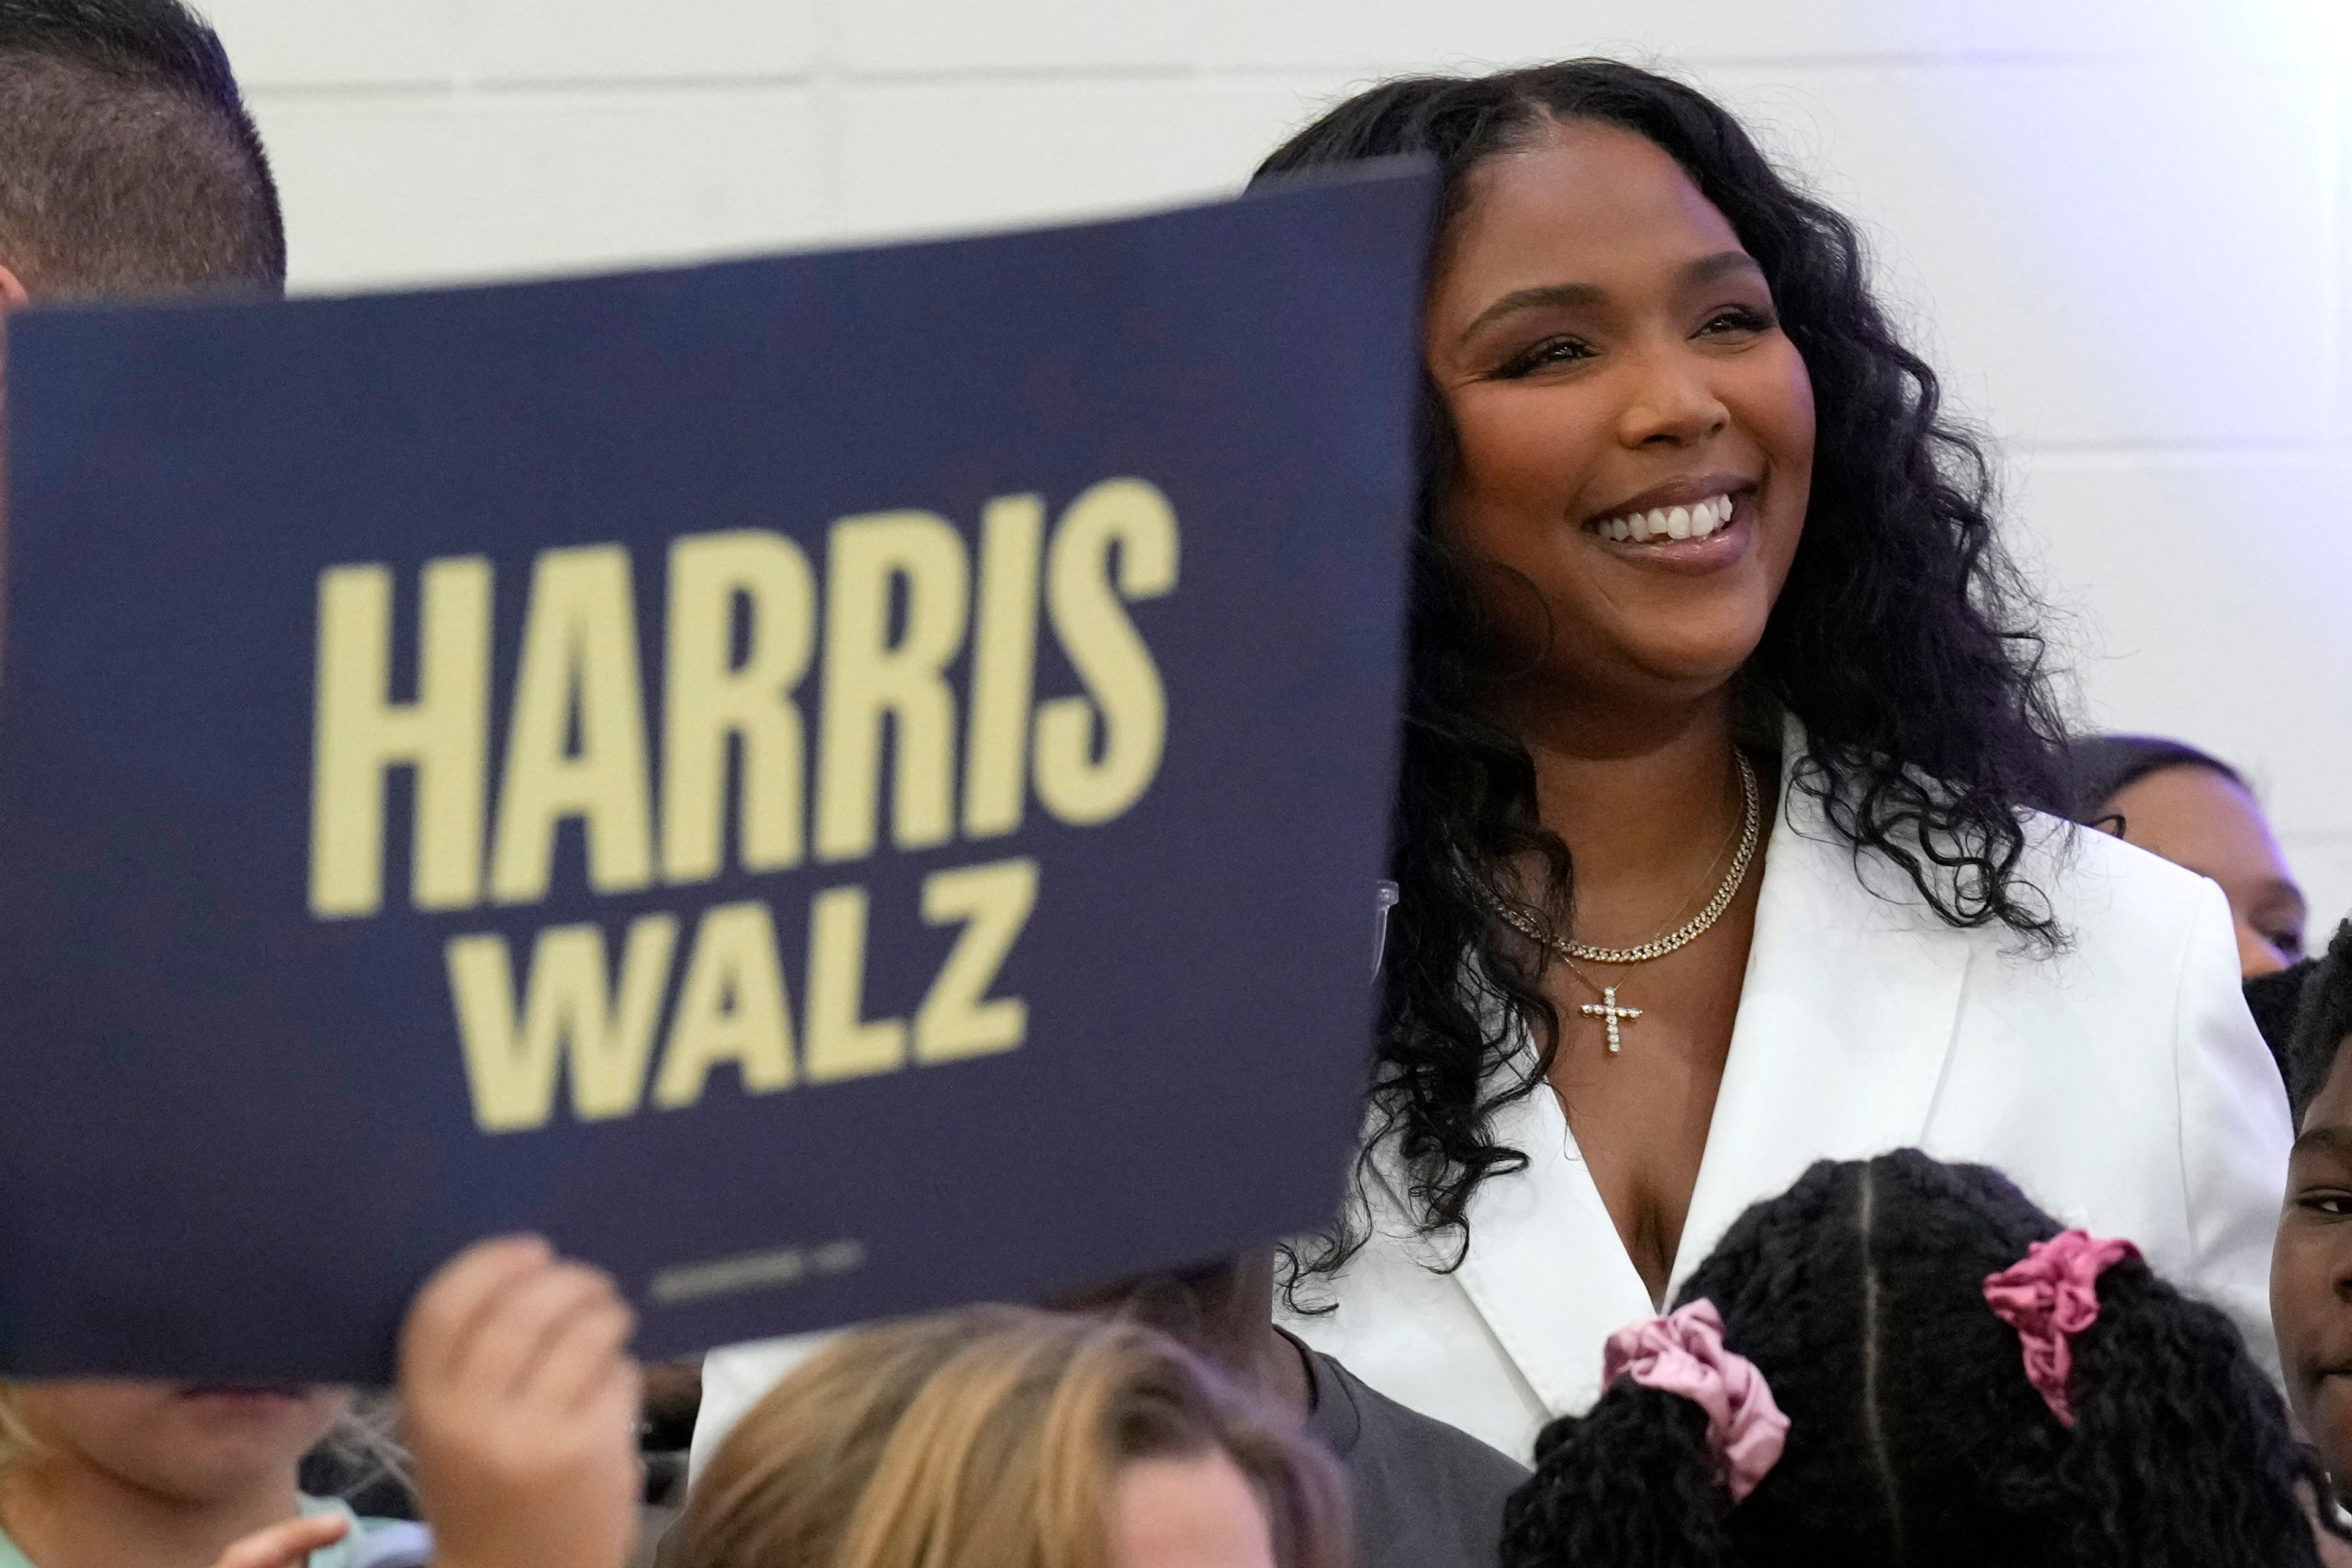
<point x="2191" y="803"/>
<point x="1579" y="204"/>
<point x="2188" y="786"/>
<point x="2332" y="1106"/>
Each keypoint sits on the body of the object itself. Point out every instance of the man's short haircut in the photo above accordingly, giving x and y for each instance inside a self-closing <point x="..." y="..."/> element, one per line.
<point x="127" y="162"/>
<point x="2322" y="1020"/>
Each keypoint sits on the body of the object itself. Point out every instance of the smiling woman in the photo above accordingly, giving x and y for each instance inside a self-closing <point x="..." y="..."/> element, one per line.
<point x="1697" y="541"/>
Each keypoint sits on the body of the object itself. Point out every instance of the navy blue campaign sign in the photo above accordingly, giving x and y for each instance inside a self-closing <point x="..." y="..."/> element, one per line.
<point x="829" y="786"/>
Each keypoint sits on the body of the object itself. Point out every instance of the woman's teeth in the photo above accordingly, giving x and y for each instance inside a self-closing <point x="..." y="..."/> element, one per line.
<point x="1695" y="521"/>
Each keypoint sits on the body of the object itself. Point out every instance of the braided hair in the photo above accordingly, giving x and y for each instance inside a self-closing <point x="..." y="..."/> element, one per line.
<point x="1915" y="1437"/>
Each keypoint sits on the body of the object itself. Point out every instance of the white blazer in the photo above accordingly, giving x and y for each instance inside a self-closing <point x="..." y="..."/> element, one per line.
<point x="2120" y="1084"/>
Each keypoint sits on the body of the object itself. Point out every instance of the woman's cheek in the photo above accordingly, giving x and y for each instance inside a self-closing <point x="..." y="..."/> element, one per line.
<point x="1772" y="401"/>
<point x="1523" y="451"/>
<point x="1791" y="417"/>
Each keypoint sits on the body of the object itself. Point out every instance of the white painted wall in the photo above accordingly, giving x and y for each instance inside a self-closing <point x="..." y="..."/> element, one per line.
<point x="2118" y="225"/>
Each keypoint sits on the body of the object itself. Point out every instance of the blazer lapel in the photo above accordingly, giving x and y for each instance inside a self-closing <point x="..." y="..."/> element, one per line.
<point x="1846" y="1019"/>
<point x="1545" y="1268"/>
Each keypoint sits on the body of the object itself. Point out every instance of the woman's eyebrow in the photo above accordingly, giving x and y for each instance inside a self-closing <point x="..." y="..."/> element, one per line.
<point x="1543" y="296"/>
<point x="2329" y="1138"/>
<point x="1706" y="270"/>
<point x="2279" y="890"/>
<point x="1723" y="263"/>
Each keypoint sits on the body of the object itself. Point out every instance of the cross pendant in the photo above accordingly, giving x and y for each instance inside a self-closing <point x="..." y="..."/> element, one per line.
<point x="1607" y="1008"/>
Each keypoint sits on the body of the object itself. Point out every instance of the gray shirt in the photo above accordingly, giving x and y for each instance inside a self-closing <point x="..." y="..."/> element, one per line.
<point x="1427" y="1495"/>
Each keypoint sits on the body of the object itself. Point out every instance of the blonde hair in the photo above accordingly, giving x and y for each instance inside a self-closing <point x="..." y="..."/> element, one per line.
<point x="365" y="1441"/>
<point x="988" y="1439"/>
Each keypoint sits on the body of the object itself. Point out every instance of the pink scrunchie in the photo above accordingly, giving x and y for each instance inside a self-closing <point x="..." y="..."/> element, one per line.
<point x="2048" y="1297"/>
<point x="1684" y="1354"/>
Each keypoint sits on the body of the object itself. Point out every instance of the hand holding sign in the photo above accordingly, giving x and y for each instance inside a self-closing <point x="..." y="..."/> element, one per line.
<point x="520" y="1403"/>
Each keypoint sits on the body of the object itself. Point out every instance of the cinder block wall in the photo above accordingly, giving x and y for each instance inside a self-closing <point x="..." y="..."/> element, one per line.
<point x="2117" y="225"/>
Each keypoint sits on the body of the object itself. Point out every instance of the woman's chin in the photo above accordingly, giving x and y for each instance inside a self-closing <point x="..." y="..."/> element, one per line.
<point x="1681" y="657"/>
<point x="1635" y="682"/>
<point x="1657" y="637"/>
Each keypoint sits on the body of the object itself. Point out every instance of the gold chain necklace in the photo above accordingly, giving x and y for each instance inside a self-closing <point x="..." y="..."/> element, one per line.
<point x="1607" y="1009"/>
<point x="1730" y="844"/>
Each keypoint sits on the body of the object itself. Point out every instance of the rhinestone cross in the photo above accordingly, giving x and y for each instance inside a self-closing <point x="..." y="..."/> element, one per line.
<point x="1607" y="1008"/>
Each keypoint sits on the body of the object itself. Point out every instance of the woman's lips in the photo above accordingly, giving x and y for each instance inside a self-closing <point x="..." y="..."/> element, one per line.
<point x="1723" y="540"/>
<point x="1665" y="525"/>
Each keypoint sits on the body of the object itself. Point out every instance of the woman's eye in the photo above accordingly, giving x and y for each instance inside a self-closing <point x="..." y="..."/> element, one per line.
<point x="2334" y="1205"/>
<point x="1544" y="355"/>
<point x="1738" y="319"/>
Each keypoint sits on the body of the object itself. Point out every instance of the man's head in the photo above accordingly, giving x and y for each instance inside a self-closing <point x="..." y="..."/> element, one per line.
<point x="131" y="165"/>
<point x="2311" y="1268"/>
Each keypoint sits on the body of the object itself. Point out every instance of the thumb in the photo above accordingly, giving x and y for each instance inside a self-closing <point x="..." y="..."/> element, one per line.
<point x="285" y="1545"/>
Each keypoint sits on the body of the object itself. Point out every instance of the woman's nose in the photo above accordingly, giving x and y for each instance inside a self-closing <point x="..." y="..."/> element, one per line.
<point x="1670" y="402"/>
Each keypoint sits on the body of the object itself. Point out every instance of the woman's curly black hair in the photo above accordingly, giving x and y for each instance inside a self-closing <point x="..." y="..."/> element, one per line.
<point x="1914" y="1435"/>
<point x="1903" y="642"/>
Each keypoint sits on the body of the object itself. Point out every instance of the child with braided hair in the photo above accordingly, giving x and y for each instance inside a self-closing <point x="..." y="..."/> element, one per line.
<point x="1900" y="1362"/>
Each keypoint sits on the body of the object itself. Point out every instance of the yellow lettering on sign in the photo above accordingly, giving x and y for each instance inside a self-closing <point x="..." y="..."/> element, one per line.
<point x="568" y="1015"/>
<point x="579" y="666"/>
<point x="842" y="1043"/>
<point x="358" y="733"/>
<point x="957" y="1020"/>
<point x="869" y="678"/>
<point x="730" y="1008"/>
<point x="1089" y="617"/>
<point x="1003" y="667"/>
<point x="710" y="700"/>
<point x="901" y="595"/>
